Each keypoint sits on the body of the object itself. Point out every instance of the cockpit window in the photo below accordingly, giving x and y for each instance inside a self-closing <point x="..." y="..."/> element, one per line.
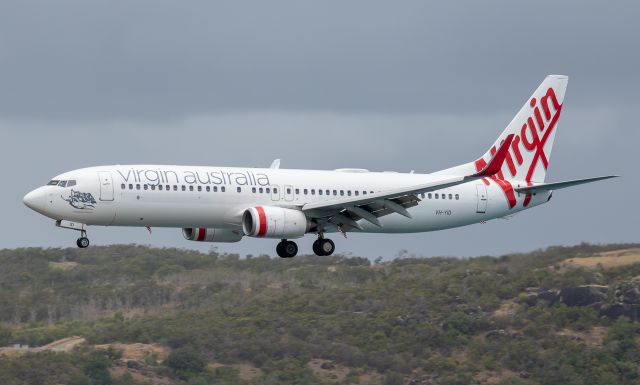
<point x="53" y="183"/>
<point x="62" y="183"/>
<point x="71" y="183"/>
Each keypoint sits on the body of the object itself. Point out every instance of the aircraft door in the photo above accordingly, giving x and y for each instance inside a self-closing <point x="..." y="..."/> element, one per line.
<point x="482" y="198"/>
<point x="288" y="193"/>
<point x="106" y="185"/>
<point x="275" y="193"/>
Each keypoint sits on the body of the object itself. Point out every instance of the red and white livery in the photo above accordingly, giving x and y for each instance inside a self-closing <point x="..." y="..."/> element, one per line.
<point x="223" y="204"/>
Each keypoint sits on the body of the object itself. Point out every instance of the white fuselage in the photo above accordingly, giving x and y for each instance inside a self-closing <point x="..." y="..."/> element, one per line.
<point x="216" y="197"/>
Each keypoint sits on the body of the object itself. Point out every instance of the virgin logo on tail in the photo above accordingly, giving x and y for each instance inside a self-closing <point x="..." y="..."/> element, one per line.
<point x="532" y="138"/>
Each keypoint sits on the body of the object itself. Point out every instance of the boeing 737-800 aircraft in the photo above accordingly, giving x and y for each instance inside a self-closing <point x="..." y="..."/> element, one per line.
<point x="222" y="204"/>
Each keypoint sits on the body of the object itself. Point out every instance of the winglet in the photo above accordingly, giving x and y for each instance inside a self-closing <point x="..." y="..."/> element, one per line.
<point x="495" y="164"/>
<point x="275" y="164"/>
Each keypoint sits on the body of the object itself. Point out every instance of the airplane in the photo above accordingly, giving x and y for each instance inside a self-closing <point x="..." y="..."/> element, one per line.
<point x="226" y="204"/>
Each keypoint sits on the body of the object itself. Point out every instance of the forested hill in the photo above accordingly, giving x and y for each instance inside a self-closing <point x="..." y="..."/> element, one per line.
<point x="132" y="315"/>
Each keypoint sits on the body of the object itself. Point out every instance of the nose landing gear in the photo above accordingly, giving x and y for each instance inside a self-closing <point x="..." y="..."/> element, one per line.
<point x="83" y="241"/>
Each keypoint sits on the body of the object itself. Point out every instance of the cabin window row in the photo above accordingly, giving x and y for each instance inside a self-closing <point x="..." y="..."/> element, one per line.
<point x="267" y="190"/>
<point x="440" y="196"/>
<point x="161" y="187"/>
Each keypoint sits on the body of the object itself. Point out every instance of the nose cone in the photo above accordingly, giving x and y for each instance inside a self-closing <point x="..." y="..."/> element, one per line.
<point x="35" y="200"/>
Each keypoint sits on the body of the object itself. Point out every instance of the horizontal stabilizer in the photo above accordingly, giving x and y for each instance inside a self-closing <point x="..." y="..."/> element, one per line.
<point x="559" y="185"/>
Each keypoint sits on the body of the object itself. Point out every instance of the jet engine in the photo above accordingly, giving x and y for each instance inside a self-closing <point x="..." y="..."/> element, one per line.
<point x="201" y="234"/>
<point x="274" y="222"/>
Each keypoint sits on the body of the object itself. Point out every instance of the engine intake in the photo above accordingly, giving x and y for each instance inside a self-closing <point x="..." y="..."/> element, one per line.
<point x="274" y="222"/>
<point x="200" y="234"/>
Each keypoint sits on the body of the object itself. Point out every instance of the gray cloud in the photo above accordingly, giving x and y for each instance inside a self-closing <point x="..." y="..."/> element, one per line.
<point x="381" y="85"/>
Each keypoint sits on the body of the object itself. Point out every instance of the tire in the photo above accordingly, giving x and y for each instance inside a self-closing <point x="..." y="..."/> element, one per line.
<point x="317" y="250"/>
<point x="290" y="249"/>
<point x="327" y="247"/>
<point x="280" y="250"/>
<point x="83" y="242"/>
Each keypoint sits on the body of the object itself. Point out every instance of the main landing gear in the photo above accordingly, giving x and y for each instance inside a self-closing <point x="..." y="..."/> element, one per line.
<point x="287" y="249"/>
<point x="322" y="247"/>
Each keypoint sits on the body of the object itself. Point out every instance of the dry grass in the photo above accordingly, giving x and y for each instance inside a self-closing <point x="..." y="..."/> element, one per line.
<point x="246" y="371"/>
<point x="138" y="352"/>
<point x="337" y="374"/>
<point x="592" y="338"/>
<point x="62" y="265"/>
<point x="608" y="260"/>
<point x="507" y="310"/>
<point x="63" y="345"/>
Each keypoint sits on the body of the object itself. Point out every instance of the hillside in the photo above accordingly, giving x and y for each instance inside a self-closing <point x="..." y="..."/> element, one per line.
<point x="133" y="315"/>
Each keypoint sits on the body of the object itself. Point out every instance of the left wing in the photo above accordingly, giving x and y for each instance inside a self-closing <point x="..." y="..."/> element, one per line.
<point x="345" y="212"/>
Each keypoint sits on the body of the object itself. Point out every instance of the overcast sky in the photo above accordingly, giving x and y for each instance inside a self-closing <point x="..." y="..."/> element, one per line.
<point x="384" y="85"/>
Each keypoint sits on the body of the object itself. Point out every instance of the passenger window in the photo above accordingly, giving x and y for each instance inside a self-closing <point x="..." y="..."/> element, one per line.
<point x="222" y="189"/>
<point x="153" y="187"/>
<point x="288" y="191"/>
<point x="208" y="189"/>
<point x="160" y="187"/>
<point x="71" y="183"/>
<point x="253" y="190"/>
<point x="137" y="187"/>
<point x="260" y="190"/>
<point x="341" y="192"/>
<point x="457" y="197"/>
<point x="436" y="196"/>
<point x="305" y="191"/>
<point x="215" y="188"/>
<point x="184" y="188"/>
<point x="297" y="191"/>
<point x="319" y="192"/>
<point x="175" y="188"/>
<point x="429" y="195"/>
<point x="364" y="193"/>
<point x="146" y="187"/>
<point x="335" y="192"/>
<point x="239" y="189"/>
<point x="328" y="192"/>
<point x="357" y="192"/>
<point x="190" y="188"/>
<point x="349" y="193"/>
<point x="275" y="190"/>
<point x="422" y="195"/>
<point x="199" y="188"/>
<point x="123" y="186"/>
<point x="313" y="192"/>
<point x="450" y="196"/>
<point x="267" y="190"/>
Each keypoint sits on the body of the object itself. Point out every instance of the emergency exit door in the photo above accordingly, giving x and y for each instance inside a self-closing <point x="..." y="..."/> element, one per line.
<point x="106" y="185"/>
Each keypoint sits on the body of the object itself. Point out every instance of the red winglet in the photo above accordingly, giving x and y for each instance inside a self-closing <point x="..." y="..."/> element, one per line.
<point x="495" y="164"/>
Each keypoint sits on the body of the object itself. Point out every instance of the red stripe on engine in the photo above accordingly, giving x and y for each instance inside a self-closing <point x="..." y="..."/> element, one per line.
<point x="262" y="219"/>
<point x="201" y="233"/>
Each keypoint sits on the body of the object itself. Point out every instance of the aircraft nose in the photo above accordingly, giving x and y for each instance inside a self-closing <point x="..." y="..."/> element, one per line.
<point x="35" y="200"/>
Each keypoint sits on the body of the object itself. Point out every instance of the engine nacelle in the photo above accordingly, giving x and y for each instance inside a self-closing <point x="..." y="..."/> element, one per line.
<point x="200" y="234"/>
<point x="274" y="222"/>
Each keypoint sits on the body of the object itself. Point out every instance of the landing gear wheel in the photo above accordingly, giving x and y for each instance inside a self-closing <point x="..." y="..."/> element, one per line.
<point x="83" y="242"/>
<point x="324" y="247"/>
<point x="287" y="249"/>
